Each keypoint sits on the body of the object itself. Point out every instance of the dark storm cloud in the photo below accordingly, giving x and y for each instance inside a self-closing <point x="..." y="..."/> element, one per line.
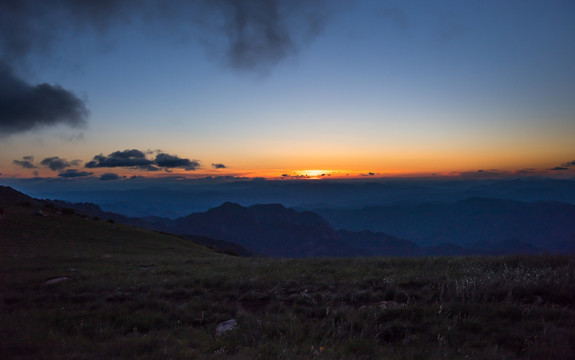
<point x="27" y="162"/>
<point x="109" y="176"/>
<point x="73" y="173"/>
<point x="218" y="166"/>
<point x="172" y="161"/>
<point x="127" y="158"/>
<point x="55" y="163"/>
<point x="25" y="107"/>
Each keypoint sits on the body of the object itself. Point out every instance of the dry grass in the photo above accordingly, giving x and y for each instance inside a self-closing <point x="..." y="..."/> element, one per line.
<point x="131" y="293"/>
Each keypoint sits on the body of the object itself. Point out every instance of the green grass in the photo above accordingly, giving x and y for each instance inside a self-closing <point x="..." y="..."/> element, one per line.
<point x="133" y="293"/>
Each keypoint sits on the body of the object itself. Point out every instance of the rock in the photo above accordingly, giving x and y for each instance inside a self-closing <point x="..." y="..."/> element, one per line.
<point x="226" y="326"/>
<point x="56" y="280"/>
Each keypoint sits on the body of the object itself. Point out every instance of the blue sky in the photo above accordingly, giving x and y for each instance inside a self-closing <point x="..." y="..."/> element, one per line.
<point x="347" y="87"/>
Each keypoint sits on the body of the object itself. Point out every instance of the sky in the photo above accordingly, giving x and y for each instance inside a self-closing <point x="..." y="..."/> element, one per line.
<point x="286" y="89"/>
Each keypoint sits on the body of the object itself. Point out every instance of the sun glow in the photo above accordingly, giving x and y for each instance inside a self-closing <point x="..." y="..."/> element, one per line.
<point x="315" y="174"/>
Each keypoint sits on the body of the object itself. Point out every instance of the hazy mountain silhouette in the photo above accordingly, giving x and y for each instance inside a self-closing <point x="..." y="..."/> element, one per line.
<point x="476" y="222"/>
<point x="269" y="230"/>
<point x="275" y="230"/>
<point x="147" y="197"/>
<point x="470" y="227"/>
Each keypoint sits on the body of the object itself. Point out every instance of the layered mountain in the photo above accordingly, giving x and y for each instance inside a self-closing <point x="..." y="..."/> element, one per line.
<point x="478" y="223"/>
<point x="470" y="227"/>
<point x="275" y="230"/>
<point x="269" y="230"/>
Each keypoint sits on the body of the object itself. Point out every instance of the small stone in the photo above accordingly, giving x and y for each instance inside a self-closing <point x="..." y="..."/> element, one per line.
<point x="56" y="280"/>
<point x="226" y="326"/>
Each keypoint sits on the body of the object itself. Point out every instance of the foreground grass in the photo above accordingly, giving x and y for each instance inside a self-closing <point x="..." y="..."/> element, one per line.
<point x="74" y="288"/>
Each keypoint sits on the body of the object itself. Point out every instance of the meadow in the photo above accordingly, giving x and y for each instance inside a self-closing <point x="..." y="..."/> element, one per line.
<point x="75" y="287"/>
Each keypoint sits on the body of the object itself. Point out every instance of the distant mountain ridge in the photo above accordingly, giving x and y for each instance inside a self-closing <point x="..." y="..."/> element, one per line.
<point x="473" y="222"/>
<point x="271" y="230"/>
<point x="274" y="230"/>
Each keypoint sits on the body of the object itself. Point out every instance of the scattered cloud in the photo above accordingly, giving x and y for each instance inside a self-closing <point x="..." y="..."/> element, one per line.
<point x="569" y="163"/>
<point x="27" y="162"/>
<point x="559" y="168"/>
<point x="55" y="163"/>
<point x="73" y="173"/>
<point x="110" y="176"/>
<point x="128" y="158"/>
<point x="136" y="159"/>
<point x="218" y="166"/>
<point x="261" y="33"/>
<point x="172" y="161"/>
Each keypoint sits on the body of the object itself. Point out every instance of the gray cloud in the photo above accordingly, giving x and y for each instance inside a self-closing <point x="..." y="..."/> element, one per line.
<point x="55" y="163"/>
<point x="569" y="163"/>
<point x="109" y="176"/>
<point x="251" y="34"/>
<point x="218" y="166"/>
<point x="134" y="158"/>
<point x="24" y="107"/>
<point x="248" y="35"/>
<point x="261" y="33"/>
<point x="27" y="162"/>
<point x="172" y="161"/>
<point x="127" y="158"/>
<point x="559" y="168"/>
<point x="73" y="173"/>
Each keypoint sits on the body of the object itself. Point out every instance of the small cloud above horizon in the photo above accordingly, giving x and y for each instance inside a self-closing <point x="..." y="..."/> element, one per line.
<point x="136" y="159"/>
<point x="27" y="162"/>
<point x="111" y="176"/>
<point x="219" y="166"/>
<point x="55" y="163"/>
<point x="73" y="173"/>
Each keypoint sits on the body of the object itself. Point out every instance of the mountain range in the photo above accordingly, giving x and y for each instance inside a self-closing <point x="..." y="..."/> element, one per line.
<point x="479" y="223"/>
<point x="475" y="226"/>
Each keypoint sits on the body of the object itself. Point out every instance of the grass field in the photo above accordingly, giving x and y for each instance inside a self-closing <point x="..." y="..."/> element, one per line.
<point x="84" y="288"/>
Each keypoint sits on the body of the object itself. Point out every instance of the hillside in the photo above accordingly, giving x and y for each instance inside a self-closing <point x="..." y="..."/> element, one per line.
<point x="73" y="287"/>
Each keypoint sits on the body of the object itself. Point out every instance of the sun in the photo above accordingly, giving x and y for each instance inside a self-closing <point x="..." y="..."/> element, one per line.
<point x="314" y="174"/>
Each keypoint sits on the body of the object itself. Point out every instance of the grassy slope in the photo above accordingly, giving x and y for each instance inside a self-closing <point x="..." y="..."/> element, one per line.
<point x="135" y="293"/>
